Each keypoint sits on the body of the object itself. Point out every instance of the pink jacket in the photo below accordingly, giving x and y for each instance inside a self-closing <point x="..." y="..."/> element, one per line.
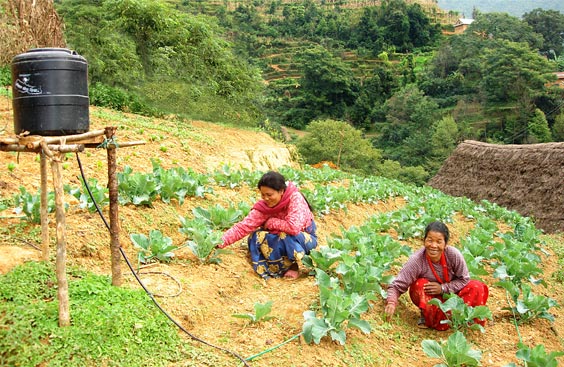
<point x="293" y="220"/>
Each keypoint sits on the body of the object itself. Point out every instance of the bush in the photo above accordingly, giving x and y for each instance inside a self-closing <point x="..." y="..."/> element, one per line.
<point x="340" y="143"/>
<point x="5" y="76"/>
<point x="118" y="99"/>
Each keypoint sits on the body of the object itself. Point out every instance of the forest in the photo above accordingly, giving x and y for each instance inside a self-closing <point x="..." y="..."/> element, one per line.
<point x="389" y="74"/>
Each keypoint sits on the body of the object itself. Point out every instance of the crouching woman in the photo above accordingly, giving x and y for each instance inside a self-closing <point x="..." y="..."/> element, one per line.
<point x="432" y="271"/>
<point x="280" y="227"/>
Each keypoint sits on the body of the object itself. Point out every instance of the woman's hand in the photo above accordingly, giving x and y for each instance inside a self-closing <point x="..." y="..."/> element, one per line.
<point x="433" y="288"/>
<point x="223" y="245"/>
<point x="389" y="310"/>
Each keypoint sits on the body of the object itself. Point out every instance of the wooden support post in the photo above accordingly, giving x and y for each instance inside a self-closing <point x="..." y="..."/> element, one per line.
<point x="114" y="205"/>
<point x="60" y="265"/>
<point x="44" y="210"/>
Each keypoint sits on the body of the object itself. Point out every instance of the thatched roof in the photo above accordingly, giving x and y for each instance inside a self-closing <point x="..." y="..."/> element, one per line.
<point x="526" y="178"/>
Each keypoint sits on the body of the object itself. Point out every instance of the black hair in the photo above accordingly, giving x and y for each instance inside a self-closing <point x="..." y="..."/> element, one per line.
<point x="272" y="179"/>
<point x="276" y="181"/>
<point x="439" y="227"/>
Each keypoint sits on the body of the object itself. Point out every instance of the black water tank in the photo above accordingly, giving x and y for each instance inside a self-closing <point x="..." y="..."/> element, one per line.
<point x="50" y="92"/>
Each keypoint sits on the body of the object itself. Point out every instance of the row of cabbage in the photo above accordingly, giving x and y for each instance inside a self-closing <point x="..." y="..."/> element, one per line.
<point x="355" y="266"/>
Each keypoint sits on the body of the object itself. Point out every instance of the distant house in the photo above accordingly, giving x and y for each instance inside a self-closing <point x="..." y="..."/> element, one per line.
<point x="461" y="25"/>
<point x="559" y="79"/>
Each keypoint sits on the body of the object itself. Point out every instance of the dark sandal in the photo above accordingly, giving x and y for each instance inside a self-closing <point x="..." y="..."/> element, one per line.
<point x="421" y="323"/>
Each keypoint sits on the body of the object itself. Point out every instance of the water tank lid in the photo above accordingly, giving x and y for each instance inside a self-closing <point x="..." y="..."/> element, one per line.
<point x="47" y="53"/>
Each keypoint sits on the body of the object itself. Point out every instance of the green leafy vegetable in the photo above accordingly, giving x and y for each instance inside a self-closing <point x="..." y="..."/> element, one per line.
<point x="262" y="312"/>
<point x="155" y="246"/>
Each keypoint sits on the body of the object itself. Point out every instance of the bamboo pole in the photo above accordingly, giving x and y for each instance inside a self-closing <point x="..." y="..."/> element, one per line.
<point x="60" y="264"/>
<point x="69" y="148"/>
<point x="114" y="205"/>
<point x="33" y="141"/>
<point x="44" y="215"/>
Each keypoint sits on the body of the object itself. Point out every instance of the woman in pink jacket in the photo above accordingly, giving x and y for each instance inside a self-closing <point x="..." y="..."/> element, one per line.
<point x="280" y="227"/>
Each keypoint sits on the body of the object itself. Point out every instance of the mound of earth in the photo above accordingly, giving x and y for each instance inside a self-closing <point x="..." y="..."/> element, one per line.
<point x="525" y="178"/>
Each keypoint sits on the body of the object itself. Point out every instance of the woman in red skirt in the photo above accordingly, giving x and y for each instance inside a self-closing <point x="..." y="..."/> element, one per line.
<point x="432" y="271"/>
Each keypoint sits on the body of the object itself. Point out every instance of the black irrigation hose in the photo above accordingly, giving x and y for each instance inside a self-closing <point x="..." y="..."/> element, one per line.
<point x="141" y="282"/>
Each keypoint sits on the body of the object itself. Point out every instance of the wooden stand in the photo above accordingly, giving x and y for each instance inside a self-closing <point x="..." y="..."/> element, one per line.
<point x="52" y="148"/>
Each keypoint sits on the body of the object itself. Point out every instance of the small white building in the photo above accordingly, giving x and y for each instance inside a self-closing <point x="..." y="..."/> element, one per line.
<point x="461" y="24"/>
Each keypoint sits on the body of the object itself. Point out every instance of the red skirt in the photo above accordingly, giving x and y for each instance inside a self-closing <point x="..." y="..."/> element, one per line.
<point x="474" y="294"/>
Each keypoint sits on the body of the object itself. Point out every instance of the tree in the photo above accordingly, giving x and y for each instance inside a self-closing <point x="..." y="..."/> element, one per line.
<point x="550" y="24"/>
<point x="367" y="32"/>
<point x="327" y="88"/>
<point x="421" y="31"/>
<point x="444" y="138"/>
<point x="28" y="24"/>
<point x="176" y="61"/>
<point x="558" y="127"/>
<point x="538" y="130"/>
<point x="374" y="91"/>
<point x="394" y="21"/>
<point x="340" y="143"/>
<point x="504" y="26"/>
<point x="406" y="134"/>
<point x="511" y="70"/>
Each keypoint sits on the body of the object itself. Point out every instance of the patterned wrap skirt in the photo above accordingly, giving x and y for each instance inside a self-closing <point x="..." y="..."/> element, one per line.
<point x="273" y="254"/>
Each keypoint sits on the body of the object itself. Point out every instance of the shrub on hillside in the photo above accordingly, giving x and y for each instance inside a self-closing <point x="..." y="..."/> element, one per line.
<point x="118" y="99"/>
<point x="340" y="143"/>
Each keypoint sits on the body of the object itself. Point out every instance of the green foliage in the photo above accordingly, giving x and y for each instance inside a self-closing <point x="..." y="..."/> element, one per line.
<point x="139" y="47"/>
<point x="226" y="176"/>
<point x="177" y="183"/>
<point x="454" y="352"/>
<point x="339" y="310"/>
<point x="156" y="246"/>
<point x="30" y="204"/>
<point x="530" y="306"/>
<point x="262" y="312"/>
<point x="508" y="63"/>
<point x="99" y="192"/>
<point x="202" y="239"/>
<point x="558" y="127"/>
<point x="460" y="316"/>
<point x="339" y="142"/>
<point x="507" y="27"/>
<point x="536" y="357"/>
<point x="5" y="76"/>
<point x="174" y="183"/>
<point x="444" y="138"/>
<point x="118" y="99"/>
<point x="136" y="188"/>
<point x="410" y="117"/>
<point x="106" y="321"/>
<point x="550" y="24"/>
<point x="217" y="217"/>
<point x="538" y="130"/>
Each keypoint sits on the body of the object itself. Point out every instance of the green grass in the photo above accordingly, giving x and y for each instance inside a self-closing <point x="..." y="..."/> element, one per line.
<point x="111" y="326"/>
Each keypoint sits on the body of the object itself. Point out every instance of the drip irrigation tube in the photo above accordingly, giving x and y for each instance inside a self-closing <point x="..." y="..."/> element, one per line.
<point x="151" y="296"/>
<point x="272" y="348"/>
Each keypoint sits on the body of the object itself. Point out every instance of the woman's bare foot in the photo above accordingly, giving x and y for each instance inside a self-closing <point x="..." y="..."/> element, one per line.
<point x="292" y="274"/>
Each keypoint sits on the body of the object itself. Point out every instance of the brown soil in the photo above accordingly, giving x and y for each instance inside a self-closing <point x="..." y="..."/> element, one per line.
<point x="211" y="294"/>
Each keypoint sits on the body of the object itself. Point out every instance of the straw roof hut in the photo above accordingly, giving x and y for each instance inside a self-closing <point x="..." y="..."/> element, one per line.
<point x="526" y="178"/>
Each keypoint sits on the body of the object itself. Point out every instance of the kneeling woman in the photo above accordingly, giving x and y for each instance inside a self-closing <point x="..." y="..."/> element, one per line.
<point x="432" y="271"/>
<point x="281" y="228"/>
